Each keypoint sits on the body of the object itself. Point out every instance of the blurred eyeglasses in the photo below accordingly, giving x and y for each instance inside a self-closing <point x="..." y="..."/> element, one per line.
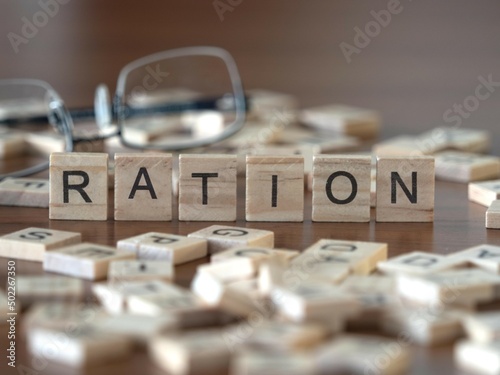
<point x="169" y="101"/>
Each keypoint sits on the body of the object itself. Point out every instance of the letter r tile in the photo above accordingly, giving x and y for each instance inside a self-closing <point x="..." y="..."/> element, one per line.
<point x="78" y="186"/>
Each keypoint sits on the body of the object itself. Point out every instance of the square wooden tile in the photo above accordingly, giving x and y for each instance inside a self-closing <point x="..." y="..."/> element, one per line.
<point x="33" y="243"/>
<point x="143" y="187"/>
<point x="338" y="118"/>
<point x="222" y="237"/>
<point x="405" y="189"/>
<point x="485" y="192"/>
<point x="275" y="188"/>
<point x="207" y="187"/>
<point x="24" y="192"/>
<point x="466" y="167"/>
<point x="78" y="186"/>
<point x="483" y="256"/>
<point x="493" y="215"/>
<point x="341" y="188"/>
<point x="419" y="263"/>
<point x="85" y="260"/>
<point x="165" y="247"/>
<point x="130" y="270"/>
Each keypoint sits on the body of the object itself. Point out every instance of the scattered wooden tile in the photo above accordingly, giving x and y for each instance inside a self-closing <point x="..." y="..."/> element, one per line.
<point x="274" y="188"/>
<point x="449" y="287"/>
<point x="137" y="328"/>
<point x="271" y="275"/>
<point x="61" y="315"/>
<point x="33" y="243"/>
<point x="493" y="215"/>
<point x="343" y="354"/>
<point x="484" y="193"/>
<point x="207" y="187"/>
<point x="113" y="296"/>
<point x="404" y="145"/>
<point x="483" y="256"/>
<point x="237" y="268"/>
<point x="48" y="288"/>
<point x="256" y="254"/>
<point x="405" y="189"/>
<point x="212" y="288"/>
<point x="278" y="336"/>
<point x="85" y="260"/>
<point x="221" y="237"/>
<point x="78" y="186"/>
<point x="24" y="192"/>
<point x="463" y="139"/>
<point x="376" y="297"/>
<point x="418" y="263"/>
<point x="11" y="144"/>
<point x="341" y="188"/>
<point x="360" y="257"/>
<point x="165" y="247"/>
<point x="314" y="301"/>
<point x="483" y="327"/>
<point x="188" y="310"/>
<point x="144" y="131"/>
<point x="478" y="358"/>
<point x="424" y="326"/>
<point x="358" y="122"/>
<point x="466" y="167"/>
<point x="194" y="352"/>
<point x="268" y="105"/>
<point x="143" y="187"/>
<point x="83" y="347"/>
<point x="259" y="362"/>
<point x="131" y="270"/>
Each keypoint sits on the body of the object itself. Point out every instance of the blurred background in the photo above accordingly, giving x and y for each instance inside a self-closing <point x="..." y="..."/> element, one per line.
<point x="411" y="60"/>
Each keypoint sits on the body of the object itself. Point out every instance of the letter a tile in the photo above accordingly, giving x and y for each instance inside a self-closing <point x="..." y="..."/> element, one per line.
<point x="143" y="187"/>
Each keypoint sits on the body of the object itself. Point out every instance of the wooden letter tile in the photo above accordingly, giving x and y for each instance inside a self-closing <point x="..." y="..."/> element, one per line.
<point x="358" y="122"/>
<point x="165" y="247"/>
<point x="493" y="215"/>
<point x="256" y="254"/>
<point x="48" y="288"/>
<point x="83" y="347"/>
<point x="143" y="187"/>
<point x="207" y="187"/>
<point x="256" y="362"/>
<point x="32" y="243"/>
<point x="478" y="358"/>
<point x="341" y="188"/>
<point x="24" y="192"/>
<point x="483" y="327"/>
<point x="78" y="186"/>
<point x="483" y="256"/>
<point x="275" y="188"/>
<point x="221" y="238"/>
<point x="195" y="352"/>
<point x="131" y="270"/>
<point x="484" y="193"/>
<point x="405" y="189"/>
<point x="418" y="263"/>
<point x="360" y="257"/>
<point x="466" y="167"/>
<point x="85" y="260"/>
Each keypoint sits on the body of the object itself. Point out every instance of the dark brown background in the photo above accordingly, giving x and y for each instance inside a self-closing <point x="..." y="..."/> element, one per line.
<point x="428" y="58"/>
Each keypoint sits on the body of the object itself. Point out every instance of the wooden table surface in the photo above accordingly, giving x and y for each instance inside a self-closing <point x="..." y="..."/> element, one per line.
<point x="429" y="56"/>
